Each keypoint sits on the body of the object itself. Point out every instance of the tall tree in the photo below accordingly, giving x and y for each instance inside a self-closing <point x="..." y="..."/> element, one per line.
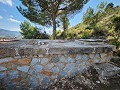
<point x="45" y="12"/>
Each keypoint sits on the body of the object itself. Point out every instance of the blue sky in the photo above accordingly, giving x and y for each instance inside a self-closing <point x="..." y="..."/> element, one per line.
<point x="10" y="18"/>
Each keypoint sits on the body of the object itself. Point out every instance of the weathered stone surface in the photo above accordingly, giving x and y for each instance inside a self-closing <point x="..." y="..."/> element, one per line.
<point x="85" y="57"/>
<point x="2" y="68"/>
<point x="54" y="59"/>
<point x="32" y="71"/>
<point x="49" y="66"/>
<point x="47" y="73"/>
<point x="34" y="82"/>
<point x="107" y="49"/>
<point x="55" y="70"/>
<point x="71" y="60"/>
<point x="45" y="81"/>
<point x="91" y="56"/>
<point x="28" y="51"/>
<point x="44" y="61"/>
<point x="34" y="61"/>
<point x="2" y="75"/>
<point x="63" y="74"/>
<point x="50" y="61"/>
<point x="6" y="60"/>
<point x="99" y="49"/>
<point x="38" y="68"/>
<point x="13" y="74"/>
<point x="69" y="67"/>
<point x="63" y="59"/>
<point x="82" y="68"/>
<point x="23" y="68"/>
<point x="78" y="57"/>
<point x="21" y="52"/>
<point x="96" y="58"/>
<point x="105" y="59"/>
<point x="60" y="65"/>
<point x="106" y="70"/>
<point x="24" y="61"/>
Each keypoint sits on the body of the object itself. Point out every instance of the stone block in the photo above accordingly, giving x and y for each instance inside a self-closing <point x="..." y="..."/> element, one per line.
<point x="63" y="74"/>
<point x="34" y="82"/>
<point x="45" y="81"/>
<point x="24" y="61"/>
<point x="49" y="66"/>
<point x="2" y="75"/>
<point x="38" y="68"/>
<point x="47" y="73"/>
<point x="34" y="61"/>
<point x="78" y="57"/>
<point x="63" y="59"/>
<point x="108" y="49"/>
<point x="32" y="71"/>
<point x="7" y="60"/>
<point x="106" y="70"/>
<point x="2" y="68"/>
<point x="13" y="74"/>
<point x="105" y="59"/>
<point x="28" y="51"/>
<point x="44" y="61"/>
<point x="99" y="49"/>
<point x="85" y="57"/>
<point x="23" y="68"/>
<point x="69" y="67"/>
<point x="54" y="59"/>
<point x="71" y="60"/>
<point x="60" y="66"/>
<point x="91" y="56"/>
<point x="21" y="51"/>
<point x="55" y="70"/>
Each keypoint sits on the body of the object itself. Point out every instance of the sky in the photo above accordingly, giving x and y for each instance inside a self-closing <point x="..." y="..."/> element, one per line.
<point x="10" y="17"/>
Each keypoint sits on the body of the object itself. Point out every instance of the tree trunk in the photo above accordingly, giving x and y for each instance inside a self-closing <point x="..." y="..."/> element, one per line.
<point x="54" y="27"/>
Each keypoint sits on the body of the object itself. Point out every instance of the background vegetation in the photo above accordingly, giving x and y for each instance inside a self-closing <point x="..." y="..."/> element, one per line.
<point x="103" y="22"/>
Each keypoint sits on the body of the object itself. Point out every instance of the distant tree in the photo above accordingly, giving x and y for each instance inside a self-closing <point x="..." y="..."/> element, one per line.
<point x="89" y="16"/>
<point x="30" y="32"/>
<point x="46" y="12"/>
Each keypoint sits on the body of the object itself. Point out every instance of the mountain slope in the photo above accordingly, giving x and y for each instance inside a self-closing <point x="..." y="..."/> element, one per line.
<point x="8" y="33"/>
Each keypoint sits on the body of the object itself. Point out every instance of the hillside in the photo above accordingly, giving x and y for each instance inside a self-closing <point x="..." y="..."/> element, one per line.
<point x="8" y="33"/>
<point x="103" y="25"/>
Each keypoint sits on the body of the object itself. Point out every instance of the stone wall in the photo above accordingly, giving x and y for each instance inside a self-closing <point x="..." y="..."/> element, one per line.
<point x="31" y="65"/>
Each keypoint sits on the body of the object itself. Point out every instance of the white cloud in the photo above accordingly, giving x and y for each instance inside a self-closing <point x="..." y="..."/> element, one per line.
<point x="14" y="20"/>
<point x="1" y="17"/>
<point x="8" y="2"/>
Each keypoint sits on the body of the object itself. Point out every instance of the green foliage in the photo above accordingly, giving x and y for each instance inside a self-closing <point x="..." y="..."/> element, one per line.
<point x="30" y="32"/>
<point x="104" y="23"/>
<point x="91" y="19"/>
<point x="46" y="12"/>
<point x="115" y="31"/>
<point x="78" y="31"/>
